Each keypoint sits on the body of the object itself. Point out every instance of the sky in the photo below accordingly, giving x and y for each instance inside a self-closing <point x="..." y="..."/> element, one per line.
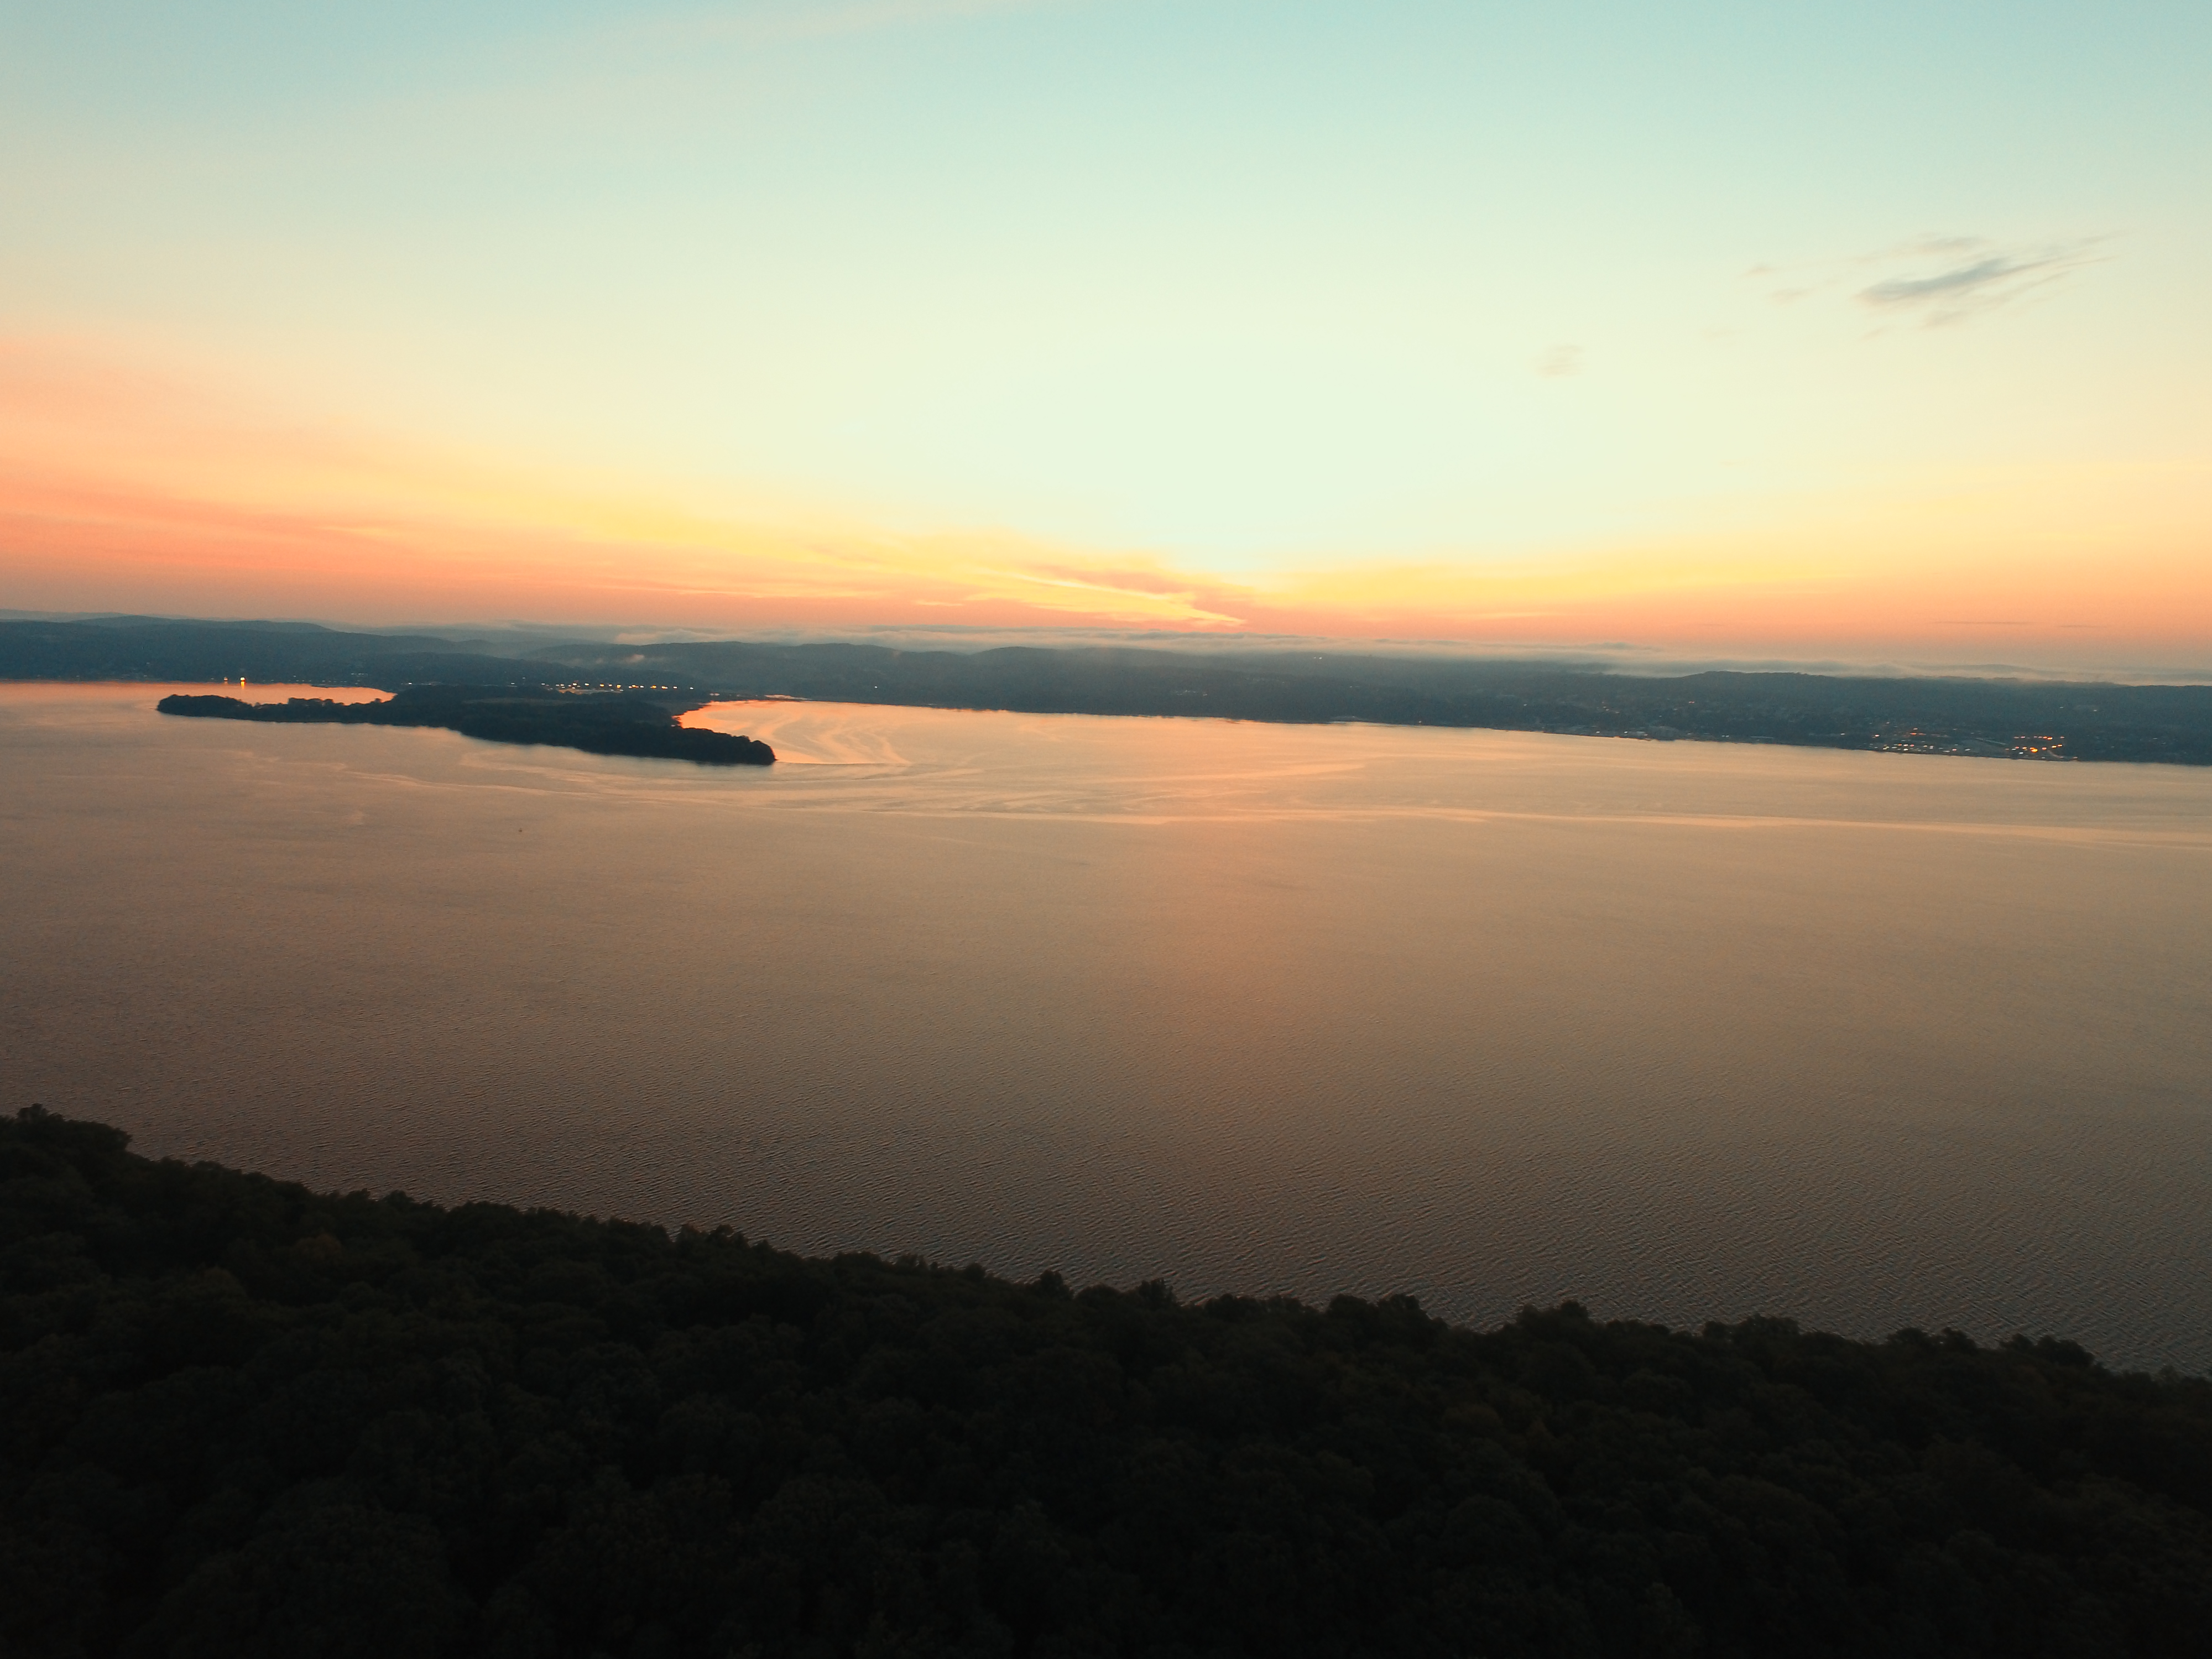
<point x="1871" y="333"/>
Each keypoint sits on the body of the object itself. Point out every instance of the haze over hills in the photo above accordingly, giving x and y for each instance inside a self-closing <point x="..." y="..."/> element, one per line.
<point x="2018" y="719"/>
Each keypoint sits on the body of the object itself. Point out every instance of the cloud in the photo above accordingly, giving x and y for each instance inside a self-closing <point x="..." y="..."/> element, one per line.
<point x="1934" y="280"/>
<point x="127" y="486"/>
<point x="116" y="478"/>
<point x="1560" y="361"/>
<point x="1952" y="278"/>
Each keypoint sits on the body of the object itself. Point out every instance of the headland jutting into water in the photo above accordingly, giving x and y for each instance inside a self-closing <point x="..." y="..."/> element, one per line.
<point x="2024" y="719"/>
<point x="616" y="723"/>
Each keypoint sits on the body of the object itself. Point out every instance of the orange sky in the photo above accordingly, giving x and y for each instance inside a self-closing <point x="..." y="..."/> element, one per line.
<point x="1851" y="337"/>
<point x="123" y="489"/>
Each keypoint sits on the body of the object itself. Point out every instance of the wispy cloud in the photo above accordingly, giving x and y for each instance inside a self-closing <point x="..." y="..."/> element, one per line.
<point x="1950" y="279"/>
<point x="1559" y="362"/>
<point x="1935" y="281"/>
<point x="118" y="478"/>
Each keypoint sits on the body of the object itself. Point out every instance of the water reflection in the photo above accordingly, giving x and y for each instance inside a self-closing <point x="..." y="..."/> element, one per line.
<point x="1686" y="1031"/>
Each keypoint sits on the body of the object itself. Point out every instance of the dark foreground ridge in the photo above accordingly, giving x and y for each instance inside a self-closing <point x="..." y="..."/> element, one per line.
<point x="2021" y="720"/>
<point x="612" y="724"/>
<point x="239" y="1418"/>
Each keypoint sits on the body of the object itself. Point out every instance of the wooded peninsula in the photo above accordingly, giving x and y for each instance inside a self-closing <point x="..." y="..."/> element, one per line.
<point x="240" y="1418"/>
<point x="1992" y="716"/>
<point x="606" y="724"/>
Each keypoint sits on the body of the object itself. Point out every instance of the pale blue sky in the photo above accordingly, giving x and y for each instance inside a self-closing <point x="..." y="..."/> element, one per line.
<point x="1246" y="284"/>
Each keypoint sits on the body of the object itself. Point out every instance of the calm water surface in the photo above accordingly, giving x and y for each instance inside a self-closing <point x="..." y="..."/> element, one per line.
<point x="1685" y="1030"/>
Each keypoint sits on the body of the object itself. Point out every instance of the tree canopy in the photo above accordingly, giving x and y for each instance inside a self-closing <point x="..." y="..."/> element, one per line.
<point x="240" y="1418"/>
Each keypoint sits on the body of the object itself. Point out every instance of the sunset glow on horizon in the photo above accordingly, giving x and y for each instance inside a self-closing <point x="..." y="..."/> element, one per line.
<point x="1868" y="337"/>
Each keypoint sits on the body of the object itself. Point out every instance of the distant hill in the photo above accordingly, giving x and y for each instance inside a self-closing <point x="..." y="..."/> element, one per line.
<point x="2014" y="719"/>
<point x="142" y="648"/>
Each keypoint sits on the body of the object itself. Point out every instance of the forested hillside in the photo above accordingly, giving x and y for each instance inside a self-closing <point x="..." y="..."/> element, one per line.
<point x="2023" y="719"/>
<point x="239" y="1418"/>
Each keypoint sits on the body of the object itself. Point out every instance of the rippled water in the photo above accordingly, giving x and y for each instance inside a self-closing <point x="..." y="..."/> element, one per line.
<point x="1685" y="1030"/>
